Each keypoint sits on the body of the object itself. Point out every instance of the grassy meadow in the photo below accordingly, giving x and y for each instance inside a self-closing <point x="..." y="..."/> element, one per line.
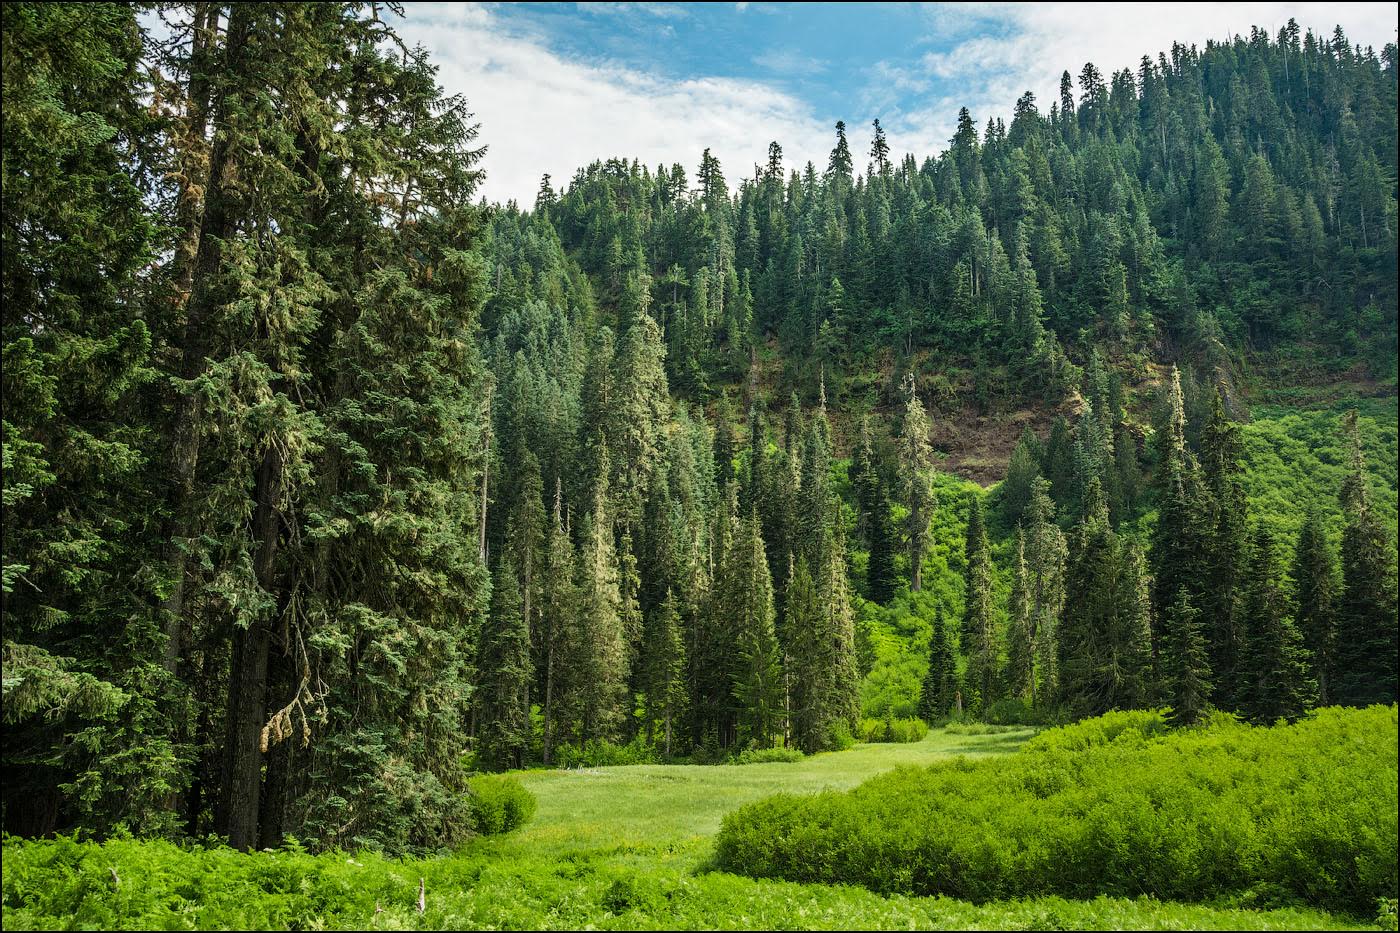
<point x="629" y="847"/>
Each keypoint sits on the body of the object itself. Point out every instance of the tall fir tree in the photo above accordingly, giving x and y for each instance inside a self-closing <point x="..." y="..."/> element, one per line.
<point x="1226" y="543"/>
<point x="1366" y="613"/>
<point x="1274" y="665"/>
<point x="503" y="696"/>
<point x="1315" y="598"/>
<point x="664" y="666"/>
<point x="916" y="469"/>
<point x="979" y="637"/>
<point x="938" y="692"/>
<point x="1183" y="662"/>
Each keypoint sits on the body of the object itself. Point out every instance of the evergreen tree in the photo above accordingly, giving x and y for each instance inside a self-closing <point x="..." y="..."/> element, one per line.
<point x="1273" y="671"/>
<point x="1184" y="662"/>
<point x="1315" y="596"/>
<point x="1366" y="619"/>
<point x="757" y="673"/>
<point x="1225" y="540"/>
<point x="916" y="468"/>
<point x="1179" y="542"/>
<point x="665" y="668"/>
<point x="978" y="628"/>
<point x="940" y="683"/>
<point x="599" y="639"/>
<point x="1021" y="474"/>
<point x="558" y="604"/>
<point x="1044" y="589"/>
<point x="880" y="149"/>
<point x="503" y="718"/>
<point x="875" y="515"/>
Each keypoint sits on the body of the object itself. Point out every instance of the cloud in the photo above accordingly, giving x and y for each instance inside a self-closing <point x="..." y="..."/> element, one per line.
<point x="542" y="112"/>
<point x="1002" y="50"/>
<point x="790" y="62"/>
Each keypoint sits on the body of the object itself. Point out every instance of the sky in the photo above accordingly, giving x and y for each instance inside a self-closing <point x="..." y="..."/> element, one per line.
<point x="556" y="86"/>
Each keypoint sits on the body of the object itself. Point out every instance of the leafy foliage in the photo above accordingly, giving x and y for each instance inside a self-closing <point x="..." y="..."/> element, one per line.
<point x="1113" y="807"/>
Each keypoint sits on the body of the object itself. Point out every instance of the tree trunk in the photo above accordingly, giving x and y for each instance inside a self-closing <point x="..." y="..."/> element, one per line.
<point x="247" y="701"/>
<point x="201" y="253"/>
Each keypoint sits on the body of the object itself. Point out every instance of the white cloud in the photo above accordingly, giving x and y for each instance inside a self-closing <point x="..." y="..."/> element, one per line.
<point x="541" y="112"/>
<point x="1012" y="48"/>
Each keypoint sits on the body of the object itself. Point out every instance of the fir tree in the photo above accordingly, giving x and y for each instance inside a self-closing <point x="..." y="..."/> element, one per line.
<point x="978" y="631"/>
<point x="916" y="469"/>
<point x="1184" y="662"/>
<point x="1315" y="596"/>
<point x="940" y="683"/>
<point x="1366" y="613"/>
<point x="503" y="719"/>
<point x="664" y="665"/>
<point x="1274" y="681"/>
<point x="757" y="673"/>
<point x="558" y="604"/>
<point x="1225" y="540"/>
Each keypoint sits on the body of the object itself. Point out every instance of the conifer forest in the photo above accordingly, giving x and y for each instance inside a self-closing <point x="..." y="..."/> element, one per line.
<point x="1002" y="536"/>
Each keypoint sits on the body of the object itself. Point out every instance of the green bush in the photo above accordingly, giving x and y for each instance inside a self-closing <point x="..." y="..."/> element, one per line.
<point x="958" y="727"/>
<point x="1014" y="711"/>
<point x="596" y="753"/>
<point x="758" y="756"/>
<point x="1131" y="727"/>
<point x="912" y="729"/>
<point x="499" y="804"/>
<point x="1294" y="813"/>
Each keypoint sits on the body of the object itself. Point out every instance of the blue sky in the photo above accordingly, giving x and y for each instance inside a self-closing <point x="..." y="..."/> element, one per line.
<point x="558" y="85"/>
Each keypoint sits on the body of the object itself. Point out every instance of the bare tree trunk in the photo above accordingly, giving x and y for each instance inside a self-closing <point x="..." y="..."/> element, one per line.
<point x="247" y="702"/>
<point x="189" y="213"/>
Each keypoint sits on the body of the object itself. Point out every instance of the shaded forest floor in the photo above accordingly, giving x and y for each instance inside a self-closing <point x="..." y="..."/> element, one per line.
<point x="609" y="848"/>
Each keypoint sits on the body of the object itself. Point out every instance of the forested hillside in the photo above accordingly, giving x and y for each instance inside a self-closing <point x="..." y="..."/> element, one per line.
<point x="327" y="483"/>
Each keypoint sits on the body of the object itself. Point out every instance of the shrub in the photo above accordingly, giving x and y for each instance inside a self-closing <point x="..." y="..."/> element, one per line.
<point x="1014" y="711"/>
<point x="1116" y="806"/>
<point x="499" y="804"/>
<point x="1131" y="727"/>
<point x="979" y="728"/>
<point x="597" y="753"/>
<point x="912" y="729"/>
<point x="759" y="756"/>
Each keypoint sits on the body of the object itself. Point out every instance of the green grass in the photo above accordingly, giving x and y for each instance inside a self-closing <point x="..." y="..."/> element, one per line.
<point x="608" y="848"/>
<point x="659" y="805"/>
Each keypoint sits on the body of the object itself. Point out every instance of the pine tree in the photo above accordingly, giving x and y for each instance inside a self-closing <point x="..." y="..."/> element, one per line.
<point x="807" y="663"/>
<point x="1045" y="553"/>
<point x="1225" y="540"/>
<point x="1179" y="542"/>
<point x="839" y="166"/>
<point x="599" y="639"/>
<point x="558" y="604"/>
<point x="916" y="468"/>
<point x="83" y="474"/>
<point x="665" y="672"/>
<point x="940" y="683"/>
<point x="880" y="149"/>
<point x="1021" y="475"/>
<point x="1020" y="646"/>
<point x="757" y="678"/>
<point x="1273" y="670"/>
<point x="1184" y="662"/>
<point x="875" y="514"/>
<point x="1366" y="614"/>
<point x="503" y="718"/>
<point x="978" y="631"/>
<point x="1315" y="596"/>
